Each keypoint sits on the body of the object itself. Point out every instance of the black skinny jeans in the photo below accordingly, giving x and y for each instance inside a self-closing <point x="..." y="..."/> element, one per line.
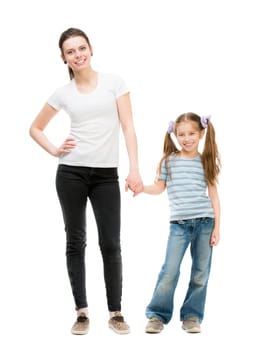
<point x="74" y="186"/>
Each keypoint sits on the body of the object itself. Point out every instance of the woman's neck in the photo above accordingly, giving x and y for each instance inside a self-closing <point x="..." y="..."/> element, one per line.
<point x="85" y="76"/>
<point x="86" y="81"/>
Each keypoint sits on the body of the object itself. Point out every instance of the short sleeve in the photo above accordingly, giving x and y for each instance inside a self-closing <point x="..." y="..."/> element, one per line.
<point x="120" y="87"/>
<point x="162" y="172"/>
<point x="54" y="101"/>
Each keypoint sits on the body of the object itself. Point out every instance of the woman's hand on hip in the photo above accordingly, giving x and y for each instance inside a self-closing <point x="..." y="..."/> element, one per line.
<point x="66" y="146"/>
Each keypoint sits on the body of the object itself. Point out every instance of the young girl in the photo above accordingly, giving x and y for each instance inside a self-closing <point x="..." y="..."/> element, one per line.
<point x="194" y="219"/>
<point x="97" y="104"/>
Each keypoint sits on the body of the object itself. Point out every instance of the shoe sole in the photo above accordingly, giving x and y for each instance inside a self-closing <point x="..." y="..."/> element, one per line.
<point x="192" y="330"/>
<point x="152" y="331"/>
<point x="79" y="333"/>
<point x="126" y="331"/>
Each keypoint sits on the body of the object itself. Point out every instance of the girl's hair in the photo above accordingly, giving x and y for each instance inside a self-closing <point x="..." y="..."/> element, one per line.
<point x="70" y="33"/>
<point x="210" y="156"/>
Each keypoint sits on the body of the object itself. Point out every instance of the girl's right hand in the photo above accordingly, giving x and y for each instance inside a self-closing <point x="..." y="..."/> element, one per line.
<point x="66" y="146"/>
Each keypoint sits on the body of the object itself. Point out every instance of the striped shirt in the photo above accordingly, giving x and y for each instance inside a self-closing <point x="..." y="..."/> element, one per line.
<point x="186" y="188"/>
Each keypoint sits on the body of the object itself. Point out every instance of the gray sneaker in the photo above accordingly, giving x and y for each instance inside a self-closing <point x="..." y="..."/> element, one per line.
<point x="191" y="325"/>
<point x="154" y="325"/>
<point x="81" y="326"/>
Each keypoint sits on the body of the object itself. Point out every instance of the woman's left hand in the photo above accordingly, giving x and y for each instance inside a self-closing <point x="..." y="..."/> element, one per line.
<point x="134" y="183"/>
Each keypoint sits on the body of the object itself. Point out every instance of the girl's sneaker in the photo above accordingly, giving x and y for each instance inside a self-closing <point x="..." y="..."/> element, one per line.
<point x="191" y="325"/>
<point x="154" y="325"/>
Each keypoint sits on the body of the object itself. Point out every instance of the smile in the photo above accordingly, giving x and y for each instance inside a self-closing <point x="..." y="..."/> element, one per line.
<point x="80" y="62"/>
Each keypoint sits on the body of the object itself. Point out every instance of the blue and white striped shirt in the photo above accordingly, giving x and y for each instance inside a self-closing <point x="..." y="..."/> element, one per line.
<point x="186" y="188"/>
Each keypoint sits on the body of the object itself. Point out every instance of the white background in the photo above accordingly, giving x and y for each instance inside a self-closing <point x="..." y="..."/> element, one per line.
<point x="176" y="56"/>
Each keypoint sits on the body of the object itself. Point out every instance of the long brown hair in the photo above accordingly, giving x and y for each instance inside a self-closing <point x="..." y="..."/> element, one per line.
<point x="70" y="33"/>
<point x="210" y="156"/>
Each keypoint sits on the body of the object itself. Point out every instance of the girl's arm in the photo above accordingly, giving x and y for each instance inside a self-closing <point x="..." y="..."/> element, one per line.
<point x="157" y="188"/>
<point x="37" y="133"/>
<point x="133" y="181"/>
<point x="213" y="194"/>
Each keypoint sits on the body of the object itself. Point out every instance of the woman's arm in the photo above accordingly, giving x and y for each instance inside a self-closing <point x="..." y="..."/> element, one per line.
<point x="37" y="133"/>
<point x="213" y="194"/>
<point x="133" y="181"/>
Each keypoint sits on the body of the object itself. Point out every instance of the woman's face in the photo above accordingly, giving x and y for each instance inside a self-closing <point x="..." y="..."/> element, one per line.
<point x="77" y="53"/>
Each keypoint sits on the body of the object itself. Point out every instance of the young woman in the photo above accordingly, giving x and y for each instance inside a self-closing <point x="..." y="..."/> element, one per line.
<point x="97" y="104"/>
<point x="194" y="219"/>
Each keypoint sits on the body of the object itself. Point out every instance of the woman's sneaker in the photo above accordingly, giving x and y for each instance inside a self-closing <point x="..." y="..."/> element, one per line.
<point x="118" y="324"/>
<point x="81" y="326"/>
<point x="191" y="325"/>
<point x="154" y="325"/>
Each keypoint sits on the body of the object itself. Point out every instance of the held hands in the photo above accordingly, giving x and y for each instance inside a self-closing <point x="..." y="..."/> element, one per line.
<point x="134" y="183"/>
<point x="66" y="146"/>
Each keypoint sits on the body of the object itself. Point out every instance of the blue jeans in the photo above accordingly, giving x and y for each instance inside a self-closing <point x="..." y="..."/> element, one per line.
<point x="197" y="233"/>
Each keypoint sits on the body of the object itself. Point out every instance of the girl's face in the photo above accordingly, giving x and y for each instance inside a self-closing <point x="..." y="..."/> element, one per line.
<point x="188" y="136"/>
<point x="77" y="53"/>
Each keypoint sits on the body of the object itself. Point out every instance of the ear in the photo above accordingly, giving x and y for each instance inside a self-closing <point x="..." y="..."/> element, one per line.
<point x="91" y="49"/>
<point x="63" y="58"/>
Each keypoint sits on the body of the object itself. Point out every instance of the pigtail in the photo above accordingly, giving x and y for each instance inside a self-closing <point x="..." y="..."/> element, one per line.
<point x="210" y="156"/>
<point x="169" y="148"/>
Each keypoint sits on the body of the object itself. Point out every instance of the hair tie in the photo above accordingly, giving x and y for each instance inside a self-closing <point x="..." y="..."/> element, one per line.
<point x="204" y="121"/>
<point x="170" y="127"/>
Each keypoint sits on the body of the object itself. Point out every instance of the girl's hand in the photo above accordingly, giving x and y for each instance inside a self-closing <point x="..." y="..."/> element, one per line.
<point x="66" y="146"/>
<point x="215" y="238"/>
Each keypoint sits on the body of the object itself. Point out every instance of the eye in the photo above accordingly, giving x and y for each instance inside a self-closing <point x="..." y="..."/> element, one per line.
<point x="69" y="52"/>
<point x="83" y="48"/>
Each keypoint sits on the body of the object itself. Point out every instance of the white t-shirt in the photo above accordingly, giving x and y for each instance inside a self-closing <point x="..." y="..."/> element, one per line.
<point x="94" y="121"/>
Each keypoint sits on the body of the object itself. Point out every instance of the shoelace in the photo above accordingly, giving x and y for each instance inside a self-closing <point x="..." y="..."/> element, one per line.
<point x="192" y="320"/>
<point x="118" y="318"/>
<point x="82" y="318"/>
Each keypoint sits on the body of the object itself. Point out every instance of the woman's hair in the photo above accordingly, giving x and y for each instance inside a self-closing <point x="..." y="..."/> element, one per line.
<point x="70" y="33"/>
<point x="210" y="156"/>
